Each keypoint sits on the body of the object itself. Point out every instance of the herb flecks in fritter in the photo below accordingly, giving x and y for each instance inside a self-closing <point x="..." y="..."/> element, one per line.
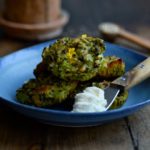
<point x="74" y="58"/>
<point x="45" y="92"/>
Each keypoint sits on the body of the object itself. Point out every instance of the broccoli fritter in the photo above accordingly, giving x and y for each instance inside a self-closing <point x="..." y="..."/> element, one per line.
<point x="45" y="92"/>
<point x="111" y="67"/>
<point x="69" y="66"/>
<point x="120" y="99"/>
<point x="74" y="58"/>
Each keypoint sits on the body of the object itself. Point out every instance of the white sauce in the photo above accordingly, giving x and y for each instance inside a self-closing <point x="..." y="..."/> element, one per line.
<point x="91" y="100"/>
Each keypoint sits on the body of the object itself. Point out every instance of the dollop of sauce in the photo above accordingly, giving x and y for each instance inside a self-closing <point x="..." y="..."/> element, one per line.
<point x="90" y="100"/>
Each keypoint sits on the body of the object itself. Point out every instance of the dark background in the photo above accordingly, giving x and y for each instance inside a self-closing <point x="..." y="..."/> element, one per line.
<point x="87" y="14"/>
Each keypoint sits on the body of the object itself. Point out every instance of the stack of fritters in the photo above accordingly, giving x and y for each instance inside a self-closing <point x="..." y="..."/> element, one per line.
<point x="68" y="66"/>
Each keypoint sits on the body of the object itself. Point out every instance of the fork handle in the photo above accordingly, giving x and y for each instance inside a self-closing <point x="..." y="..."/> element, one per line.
<point x="135" y="76"/>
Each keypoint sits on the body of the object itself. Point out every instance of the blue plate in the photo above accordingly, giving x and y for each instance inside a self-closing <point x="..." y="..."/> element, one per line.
<point x="18" y="67"/>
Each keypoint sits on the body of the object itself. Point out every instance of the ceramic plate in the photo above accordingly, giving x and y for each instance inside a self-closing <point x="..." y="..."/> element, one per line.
<point x="18" y="67"/>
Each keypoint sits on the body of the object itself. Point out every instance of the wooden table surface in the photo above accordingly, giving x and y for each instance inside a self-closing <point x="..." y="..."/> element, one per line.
<point x="130" y="133"/>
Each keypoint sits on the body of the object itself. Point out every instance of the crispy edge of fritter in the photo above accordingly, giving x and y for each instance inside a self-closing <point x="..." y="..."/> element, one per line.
<point x="111" y="68"/>
<point x="43" y="94"/>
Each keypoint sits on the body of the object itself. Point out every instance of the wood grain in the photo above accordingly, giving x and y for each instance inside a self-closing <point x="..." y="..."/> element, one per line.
<point x="24" y="10"/>
<point x="8" y="45"/>
<point x="140" y="127"/>
<point x="19" y="132"/>
<point x="106" y="137"/>
<point x="135" y="39"/>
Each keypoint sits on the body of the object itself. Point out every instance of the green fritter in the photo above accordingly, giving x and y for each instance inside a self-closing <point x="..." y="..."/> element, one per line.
<point x="111" y="67"/>
<point x="74" y="58"/>
<point x="45" y="92"/>
<point x="68" y="66"/>
<point x="120" y="99"/>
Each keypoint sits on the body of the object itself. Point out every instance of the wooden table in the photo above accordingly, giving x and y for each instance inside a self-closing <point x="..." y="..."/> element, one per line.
<point x="130" y="133"/>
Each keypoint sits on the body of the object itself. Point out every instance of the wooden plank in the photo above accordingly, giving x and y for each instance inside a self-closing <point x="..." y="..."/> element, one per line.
<point x="112" y="136"/>
<point x="8" y="45"/>
<point x="139" y="123"/>
<point x="18" y="132"/>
